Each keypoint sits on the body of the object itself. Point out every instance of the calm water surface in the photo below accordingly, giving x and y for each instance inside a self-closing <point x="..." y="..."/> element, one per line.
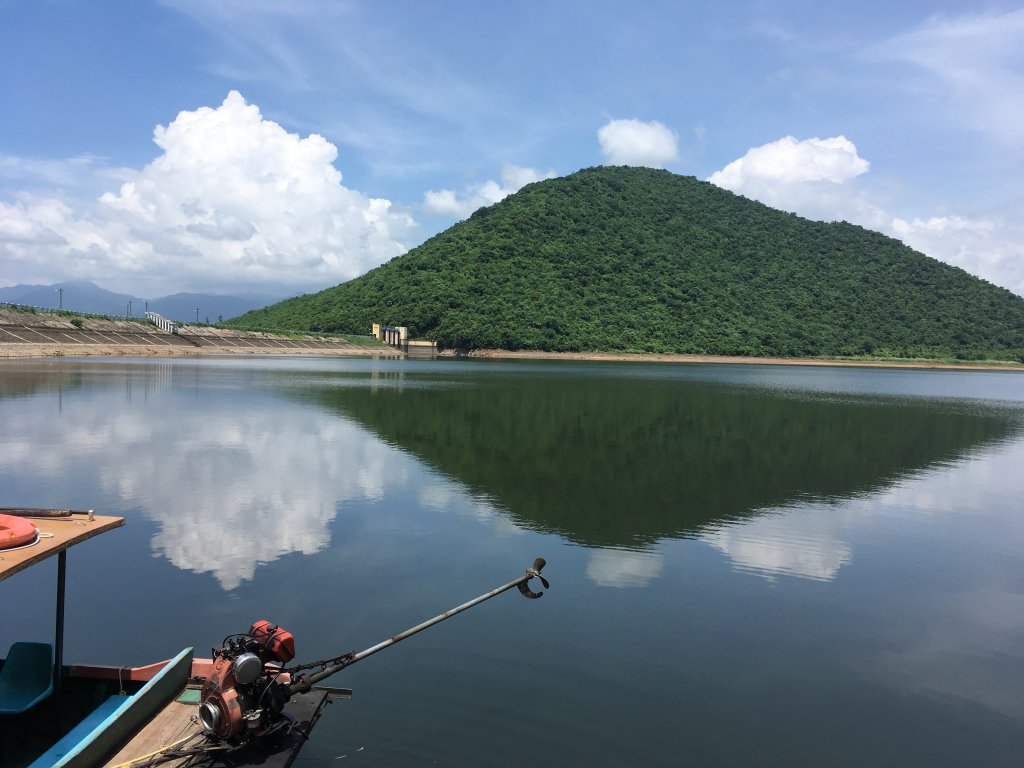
<point x="750" y="565"/>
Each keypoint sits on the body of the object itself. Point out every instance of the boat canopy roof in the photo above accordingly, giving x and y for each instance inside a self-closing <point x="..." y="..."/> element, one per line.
<point x="57" y="534"/>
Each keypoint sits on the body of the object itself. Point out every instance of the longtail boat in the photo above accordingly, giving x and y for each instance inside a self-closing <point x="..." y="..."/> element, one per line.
<point x="246" y="706"/>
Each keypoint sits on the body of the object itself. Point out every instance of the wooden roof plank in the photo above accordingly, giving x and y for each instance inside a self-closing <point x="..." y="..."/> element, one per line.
<point x="57" y="534"/>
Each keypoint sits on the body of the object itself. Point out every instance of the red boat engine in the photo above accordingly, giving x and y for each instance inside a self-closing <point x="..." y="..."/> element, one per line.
<point x="244" y="696"/>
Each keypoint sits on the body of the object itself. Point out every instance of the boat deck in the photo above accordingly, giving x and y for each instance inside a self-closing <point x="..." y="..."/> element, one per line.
<point x="57" y="534"/>
<point x="174" y="724"/>
<point x="175" y="727"/>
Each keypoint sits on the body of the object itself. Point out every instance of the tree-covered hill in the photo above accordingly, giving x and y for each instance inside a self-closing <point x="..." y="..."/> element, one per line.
<point x="642" y="260"/>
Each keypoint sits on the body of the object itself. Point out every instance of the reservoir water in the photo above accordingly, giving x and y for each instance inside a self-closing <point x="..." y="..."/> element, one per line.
<point x="750" y="565"/>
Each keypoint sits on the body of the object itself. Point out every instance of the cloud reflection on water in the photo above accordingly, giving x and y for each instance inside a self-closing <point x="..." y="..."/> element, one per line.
<point x="794" y="542"/>
<point x="624" y="568"/>
<point x="246" y="495"/>
<point x="811" y="540"/>
<point x="230" y="487"/>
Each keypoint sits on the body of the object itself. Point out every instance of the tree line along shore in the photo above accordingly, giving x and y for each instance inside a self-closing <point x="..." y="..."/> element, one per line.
<point x="25" y="334"/>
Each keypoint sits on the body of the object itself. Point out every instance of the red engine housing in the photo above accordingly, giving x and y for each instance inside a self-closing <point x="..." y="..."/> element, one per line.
<point x="278" y="643"/>
<point x="232" y="709"/>
<point x="221" y="712"/>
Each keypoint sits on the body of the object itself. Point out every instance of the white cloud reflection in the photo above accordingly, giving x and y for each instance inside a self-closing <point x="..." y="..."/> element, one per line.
<point x="795" y="542"/>
<point x="623" y="568"/>
<point x="443" y="495"/>
<point x="810" y="540"/>
<point x="236" y="489"/>
<point x="229" y="489"/>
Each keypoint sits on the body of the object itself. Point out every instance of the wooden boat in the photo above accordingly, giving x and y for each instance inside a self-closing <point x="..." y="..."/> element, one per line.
<point x="241" y="708"/>
<point x="52" y="714"/>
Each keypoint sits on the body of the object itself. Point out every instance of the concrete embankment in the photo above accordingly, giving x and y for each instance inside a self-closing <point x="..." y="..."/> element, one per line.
<point x="41" y="334"/>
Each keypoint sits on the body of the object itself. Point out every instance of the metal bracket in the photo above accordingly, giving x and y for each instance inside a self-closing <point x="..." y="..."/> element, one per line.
<point x="338" y="693"/>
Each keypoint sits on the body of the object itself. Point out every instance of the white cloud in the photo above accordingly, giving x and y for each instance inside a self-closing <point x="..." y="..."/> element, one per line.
<point x="977" y="63"/>
<point x="63" y="172"/>
<point x="233" y="202"/>
<point x="634" y="142"/>
<point x="808" y="177"/>
<point x="818" y="179"/>
<point x="446" y="202"/>
<point x="789" y="161"/>
<point x="991" y="248"/>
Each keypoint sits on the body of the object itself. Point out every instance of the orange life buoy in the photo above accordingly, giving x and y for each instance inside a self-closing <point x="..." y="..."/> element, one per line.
<point x="16" y="532"/>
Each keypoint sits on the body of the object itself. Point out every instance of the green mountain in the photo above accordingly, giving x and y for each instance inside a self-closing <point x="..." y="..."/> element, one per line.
<point x="636" y="259"/>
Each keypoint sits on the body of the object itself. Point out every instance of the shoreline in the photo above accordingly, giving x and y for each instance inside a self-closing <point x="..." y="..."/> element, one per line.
<point x="57" y="350"/>
<point x="654" y="357"/>
<point x="34" y="335"/>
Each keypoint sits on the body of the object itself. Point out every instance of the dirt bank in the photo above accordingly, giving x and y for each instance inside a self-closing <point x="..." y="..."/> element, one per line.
<point x="504" y="354"/>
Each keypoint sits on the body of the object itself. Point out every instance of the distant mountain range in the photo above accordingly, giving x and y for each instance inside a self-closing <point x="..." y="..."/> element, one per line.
<point x="84" y="296"/>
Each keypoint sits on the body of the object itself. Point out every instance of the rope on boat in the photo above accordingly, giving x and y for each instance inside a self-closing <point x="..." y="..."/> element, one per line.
<point x="162" y="750"/>
<point x="177" y="750"/>
<point x="39" y="535"/>
<point x="162" y="754"/>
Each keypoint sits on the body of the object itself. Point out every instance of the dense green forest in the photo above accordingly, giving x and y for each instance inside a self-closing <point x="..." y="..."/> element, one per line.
<point x="635" y="259"/>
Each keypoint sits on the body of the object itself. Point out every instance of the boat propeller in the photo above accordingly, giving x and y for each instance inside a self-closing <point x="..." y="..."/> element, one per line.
<point x="534" y="572"/>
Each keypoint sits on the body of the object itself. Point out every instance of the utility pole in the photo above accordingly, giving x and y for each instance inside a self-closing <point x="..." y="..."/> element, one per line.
<point x="60" y="293"/>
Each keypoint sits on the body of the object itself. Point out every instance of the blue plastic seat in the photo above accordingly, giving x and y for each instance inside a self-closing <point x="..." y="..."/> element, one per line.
<point x="26" y="677"/>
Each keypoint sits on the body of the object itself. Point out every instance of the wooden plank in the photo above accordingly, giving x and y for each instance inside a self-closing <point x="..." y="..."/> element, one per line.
<point x="170" y="726"/>
<point x="130" y="717"/>
<point x="279" y="751"/>
<point x="66" y="532"/>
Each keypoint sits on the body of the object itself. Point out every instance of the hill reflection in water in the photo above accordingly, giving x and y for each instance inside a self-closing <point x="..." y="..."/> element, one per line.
<point x="847" y="556"/>
<point x="622" y="461"/>
<point x="608" y="456"/>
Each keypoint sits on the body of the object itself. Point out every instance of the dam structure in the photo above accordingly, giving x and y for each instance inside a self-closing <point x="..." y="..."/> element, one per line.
<point x="397" y="337"/>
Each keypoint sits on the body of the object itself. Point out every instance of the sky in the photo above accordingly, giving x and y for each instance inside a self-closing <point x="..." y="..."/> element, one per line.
<point x="273" y="148"/>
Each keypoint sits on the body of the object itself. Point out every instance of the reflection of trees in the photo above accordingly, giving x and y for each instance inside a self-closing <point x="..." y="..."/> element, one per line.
<point x="623" y="462"/>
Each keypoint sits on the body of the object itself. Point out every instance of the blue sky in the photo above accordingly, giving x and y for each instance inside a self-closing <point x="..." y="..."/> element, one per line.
<point x="254" y="145"/>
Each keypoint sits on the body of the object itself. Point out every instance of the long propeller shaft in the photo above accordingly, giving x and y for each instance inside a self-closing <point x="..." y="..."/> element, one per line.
<point x="305" y="682"/>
